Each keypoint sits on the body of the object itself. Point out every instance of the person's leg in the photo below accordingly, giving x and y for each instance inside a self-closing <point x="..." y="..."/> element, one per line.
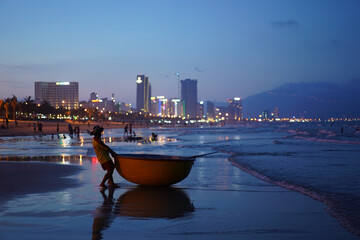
<point x="110" y="179"/>
<point x="109" y="167"/>
<point x="106" y="177"/>
<point x="111" y="182"/>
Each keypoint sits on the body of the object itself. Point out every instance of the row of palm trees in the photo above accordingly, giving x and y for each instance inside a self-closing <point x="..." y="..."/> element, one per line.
<point x="6" y="103"/>
<point x="28" y="109"/>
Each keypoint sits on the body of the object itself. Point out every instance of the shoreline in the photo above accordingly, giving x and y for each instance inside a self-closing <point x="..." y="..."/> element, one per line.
<point x="330" y="205"/>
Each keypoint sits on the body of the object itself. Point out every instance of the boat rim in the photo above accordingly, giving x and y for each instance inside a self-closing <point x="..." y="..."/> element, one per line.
<point x="155" y="157"/>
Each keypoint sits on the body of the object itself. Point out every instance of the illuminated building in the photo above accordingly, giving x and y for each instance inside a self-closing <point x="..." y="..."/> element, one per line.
<point x="153" y="106"/>
<point x="276" y="112"/>
<point x="103" y="104"/>
<point x="189" y="97"/>
<point x="159" y="106"/>
<point x="125" y="107"/>
<point x="175" y="107"/>
<point x="201" y="109"/>
<point x="143" y="93"/>
<point x="58" y="94"/>
<point x="235" y="109"/>
<point x="265" y="115"/>
<point x="162" y="107"/>
<point x="210" y="110"/>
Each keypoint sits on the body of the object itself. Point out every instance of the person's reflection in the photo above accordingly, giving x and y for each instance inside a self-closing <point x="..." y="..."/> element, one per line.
<point x="103" y="215"/>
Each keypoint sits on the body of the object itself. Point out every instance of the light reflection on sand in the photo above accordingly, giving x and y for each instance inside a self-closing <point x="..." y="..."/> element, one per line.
<point x="63" y="159"/>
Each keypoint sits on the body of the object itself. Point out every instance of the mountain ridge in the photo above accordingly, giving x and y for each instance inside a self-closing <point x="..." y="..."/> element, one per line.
<point x="308" y="100"/>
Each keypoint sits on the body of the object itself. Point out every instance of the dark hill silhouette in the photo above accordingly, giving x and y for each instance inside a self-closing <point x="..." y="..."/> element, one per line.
<point x="308" y="99"/>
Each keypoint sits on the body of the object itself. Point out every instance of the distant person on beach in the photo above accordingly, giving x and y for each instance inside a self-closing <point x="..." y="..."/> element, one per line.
<point x="57" y="127"/>
<point x="71" y="130"/>
<point x="77" y="131"/>
<point x="130" y="130"/>
<point x="34" y="127"/>
<point x="154" y="137"/>
<point x="40" y="127"/>
<point x="102" y="152"/>
<point x="7" y="122"/>
<point x="126" y="130"/>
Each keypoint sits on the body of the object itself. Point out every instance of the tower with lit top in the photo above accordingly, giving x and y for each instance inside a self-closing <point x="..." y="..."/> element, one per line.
<point x="143" y="93"/>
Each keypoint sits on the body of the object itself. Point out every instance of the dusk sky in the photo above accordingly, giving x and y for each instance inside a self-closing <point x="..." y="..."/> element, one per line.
<point x="234" y="48"/>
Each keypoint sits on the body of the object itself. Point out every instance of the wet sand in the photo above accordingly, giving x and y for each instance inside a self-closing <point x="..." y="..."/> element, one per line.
<point x="216" y="201"/>
<point x="21" y="178"/>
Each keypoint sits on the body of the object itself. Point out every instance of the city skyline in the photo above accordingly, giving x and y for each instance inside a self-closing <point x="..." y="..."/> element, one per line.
<point x="233" y="48"/>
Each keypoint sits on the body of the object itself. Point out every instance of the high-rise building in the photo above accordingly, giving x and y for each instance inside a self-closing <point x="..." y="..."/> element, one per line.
<point x="189" y="97"/>
<point x="162" y="107"/>
<point x="143" y="93"/>
<point x="235" y="109"/>
<point x="276" y="112"/>
<point x="159" y="106"/>
<point x="201" y="109"/>
<point x="58" y="94"/>
<point x="103" y="104"/>
<point x="265" y="115"/>
<point x="210" y="109"/>
<point x="175" y="107"/>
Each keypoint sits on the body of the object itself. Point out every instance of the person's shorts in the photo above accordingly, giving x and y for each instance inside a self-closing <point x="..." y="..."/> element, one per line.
<point x="109" y="165"/>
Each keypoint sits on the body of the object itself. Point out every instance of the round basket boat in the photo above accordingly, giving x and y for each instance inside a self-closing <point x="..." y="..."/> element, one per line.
<point x="152" y="169"/>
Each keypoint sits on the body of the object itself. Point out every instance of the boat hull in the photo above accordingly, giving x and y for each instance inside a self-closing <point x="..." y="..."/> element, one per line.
<point x="153" y="170"/>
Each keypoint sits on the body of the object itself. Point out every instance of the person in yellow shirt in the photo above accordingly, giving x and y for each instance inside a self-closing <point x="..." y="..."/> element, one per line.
<point x="102" y="152"/>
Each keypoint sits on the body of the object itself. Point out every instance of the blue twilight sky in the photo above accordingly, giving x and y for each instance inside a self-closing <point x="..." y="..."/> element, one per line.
<point x="232" y="47"/>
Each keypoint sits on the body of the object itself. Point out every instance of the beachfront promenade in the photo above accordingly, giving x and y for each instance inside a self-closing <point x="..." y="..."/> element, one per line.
<point x="26" y="128"/>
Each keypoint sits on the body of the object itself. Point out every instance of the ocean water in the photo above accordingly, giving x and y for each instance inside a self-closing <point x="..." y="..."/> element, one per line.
<point x="319" y="160"/>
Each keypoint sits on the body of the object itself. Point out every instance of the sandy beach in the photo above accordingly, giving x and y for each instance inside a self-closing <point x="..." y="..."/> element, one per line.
<point x="26" y="128"/>
<point x="21" y="178"/>
<point x="195" y="209"/>
<point x="56" y="196"/>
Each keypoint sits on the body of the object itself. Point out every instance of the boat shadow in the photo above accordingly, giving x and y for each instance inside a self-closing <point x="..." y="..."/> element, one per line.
<point x="141" y="203"/>
<point x="154" y="202"/>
